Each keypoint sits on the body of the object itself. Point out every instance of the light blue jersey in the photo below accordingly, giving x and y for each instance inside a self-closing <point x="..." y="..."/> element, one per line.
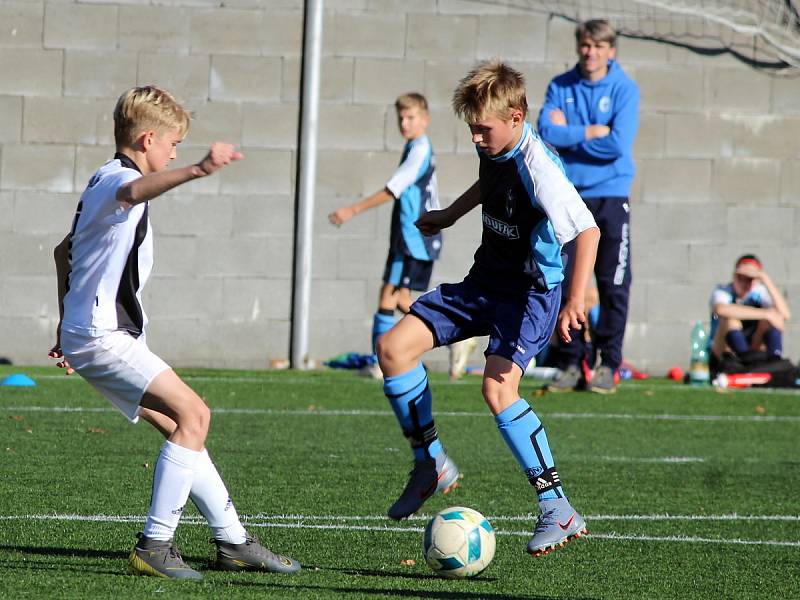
<point x="530" y="210"/>
<point x="414" y="187"/>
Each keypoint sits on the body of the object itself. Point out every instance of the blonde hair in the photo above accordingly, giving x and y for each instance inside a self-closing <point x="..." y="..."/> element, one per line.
<point x="598" y="30"/>
<point x="490" y="88"/>
<point x="144" y="108"/>
<point x="411" y="100"/>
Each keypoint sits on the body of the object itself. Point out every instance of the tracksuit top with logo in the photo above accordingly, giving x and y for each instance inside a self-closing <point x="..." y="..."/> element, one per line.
<point x="530" y="210"/>
<point x="110" y="257"/>
<point x="414" y="187"/>
<point x="602" y="167"/>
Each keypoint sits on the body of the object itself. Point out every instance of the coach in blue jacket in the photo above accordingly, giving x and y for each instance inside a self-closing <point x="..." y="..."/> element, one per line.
<point x="590" y="115"/>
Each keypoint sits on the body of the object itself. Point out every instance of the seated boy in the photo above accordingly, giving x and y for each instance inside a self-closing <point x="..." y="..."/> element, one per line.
<point x="413" y="190"/>
<point x="747" y="314"/>
<point x="511" y="293"/>
<point x="102" y="266"/>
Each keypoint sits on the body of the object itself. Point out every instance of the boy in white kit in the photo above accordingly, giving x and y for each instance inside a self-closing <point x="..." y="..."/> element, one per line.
<point x="102" y="266"/>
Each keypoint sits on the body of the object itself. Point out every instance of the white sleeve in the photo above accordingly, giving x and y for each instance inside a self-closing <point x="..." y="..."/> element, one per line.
<point x="409" y="170"/>
<point x="763" y="297"/>
<point x="720" y="296"/>
<point x="557" y="196"/>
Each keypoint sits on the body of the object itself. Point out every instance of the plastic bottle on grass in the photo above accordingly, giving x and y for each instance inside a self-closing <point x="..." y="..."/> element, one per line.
<point x="698" y="368"/>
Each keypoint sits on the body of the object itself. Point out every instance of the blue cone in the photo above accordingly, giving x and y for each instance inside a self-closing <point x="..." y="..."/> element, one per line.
<point x="18" y="380"/>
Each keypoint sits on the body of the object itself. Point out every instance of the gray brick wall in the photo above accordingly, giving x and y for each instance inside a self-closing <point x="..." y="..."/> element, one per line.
<point x="718" y="158"/>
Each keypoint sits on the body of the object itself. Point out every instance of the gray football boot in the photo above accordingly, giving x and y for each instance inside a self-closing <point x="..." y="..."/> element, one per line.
<point x="603" y="381"/>
<point x="159" y="559"/>
<point x="568" y="380"/>
<point x="558" y="524"/>
<point x="251" y="555"/>
<point x="428" y="476"/>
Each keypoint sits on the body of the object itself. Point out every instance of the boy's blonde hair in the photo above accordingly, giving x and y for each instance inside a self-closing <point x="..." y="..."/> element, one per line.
<point x="491" y="88"/>
<point x="411" y="100"/>
<point x="599" y="30"/>
<point x="144" y="108"/>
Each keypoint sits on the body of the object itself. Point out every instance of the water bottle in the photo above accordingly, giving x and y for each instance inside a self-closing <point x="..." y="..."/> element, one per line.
<point x="698" y="369"/>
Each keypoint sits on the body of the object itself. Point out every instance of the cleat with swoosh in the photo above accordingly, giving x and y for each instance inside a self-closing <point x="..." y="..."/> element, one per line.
<point x="427" y="477"/>
<point x="160" y="559"/>
<point x="251" y="555"/>
<point x="558" y="524"/>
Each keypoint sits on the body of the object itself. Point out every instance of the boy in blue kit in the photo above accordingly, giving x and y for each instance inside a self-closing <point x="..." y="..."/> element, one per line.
<point x="413" y="189"/>
<point x="511" y="294"/>
<point x="590" y="115"/>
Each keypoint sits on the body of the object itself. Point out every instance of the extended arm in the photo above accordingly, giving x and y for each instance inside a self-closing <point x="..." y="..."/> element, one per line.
<point x="434" y="221"/>
<point x="573" y="314"/>
<point x="153" y="185"/>
<point x="342" y="215"/>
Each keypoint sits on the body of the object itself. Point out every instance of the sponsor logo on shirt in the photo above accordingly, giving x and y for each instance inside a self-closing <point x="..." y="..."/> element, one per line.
<point x="604" y="105"/>
<point x="507" y="231"/>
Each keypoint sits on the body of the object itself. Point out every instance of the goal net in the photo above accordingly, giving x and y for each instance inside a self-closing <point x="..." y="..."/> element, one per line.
<point x="765" y="32"/>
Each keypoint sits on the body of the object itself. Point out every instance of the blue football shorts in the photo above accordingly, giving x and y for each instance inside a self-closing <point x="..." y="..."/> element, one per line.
<point x="407" y="272"/>
<point x="519" y="325"/>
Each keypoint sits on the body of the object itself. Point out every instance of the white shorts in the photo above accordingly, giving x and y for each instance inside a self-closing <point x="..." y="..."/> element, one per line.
<point x="117" y="365"/>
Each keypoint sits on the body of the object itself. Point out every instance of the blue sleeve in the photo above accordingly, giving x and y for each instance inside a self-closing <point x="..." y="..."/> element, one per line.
<point x="560" y="136"/>
<point x="623" y="125"/>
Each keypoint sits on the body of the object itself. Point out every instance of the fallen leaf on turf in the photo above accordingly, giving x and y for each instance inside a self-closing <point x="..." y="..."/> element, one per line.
<point x="16" y="418"/>
<point x="146" y="465"/>
<point x="95" y="430"/>
<point x="760" y="409"/>
<point x="408" y="562"/>
<point x="539" y="392"/>
<point x="649" y="393"/>
<point x="29" y="430"/>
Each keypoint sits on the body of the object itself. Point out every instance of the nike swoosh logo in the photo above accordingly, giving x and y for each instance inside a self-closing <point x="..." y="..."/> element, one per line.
<point x="565" y="526"/>
<point x="426" y="493"/>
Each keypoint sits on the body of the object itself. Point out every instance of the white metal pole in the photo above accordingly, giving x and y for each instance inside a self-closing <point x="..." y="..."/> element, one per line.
<point x="306" y="178"/>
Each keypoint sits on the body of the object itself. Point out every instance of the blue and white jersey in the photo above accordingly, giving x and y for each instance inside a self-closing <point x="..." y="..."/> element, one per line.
<point x="414" y="187"/>
<point x="757" y="297"/>
<point x="530" y="210"/>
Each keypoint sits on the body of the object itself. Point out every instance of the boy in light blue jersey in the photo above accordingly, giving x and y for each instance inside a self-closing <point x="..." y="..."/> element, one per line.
<point x="413" y="188"/>
<point x="591" y="115"/>
<point x="747" y="314"/>
<point x="511" y="294"/>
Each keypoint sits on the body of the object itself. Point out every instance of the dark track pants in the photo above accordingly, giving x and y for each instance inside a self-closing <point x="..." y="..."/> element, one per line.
<point x="613" y="274"/>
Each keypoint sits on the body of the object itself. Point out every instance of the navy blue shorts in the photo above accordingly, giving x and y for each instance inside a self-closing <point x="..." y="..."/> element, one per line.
<point x="407" y="272"/>
<point x="519" y="326"/>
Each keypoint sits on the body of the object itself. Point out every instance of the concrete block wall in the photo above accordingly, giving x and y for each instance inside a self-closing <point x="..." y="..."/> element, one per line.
<point x="718" y="157"/>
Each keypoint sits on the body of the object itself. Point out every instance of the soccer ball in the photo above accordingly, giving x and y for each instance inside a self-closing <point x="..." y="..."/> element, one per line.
<point x="458" y="542"/>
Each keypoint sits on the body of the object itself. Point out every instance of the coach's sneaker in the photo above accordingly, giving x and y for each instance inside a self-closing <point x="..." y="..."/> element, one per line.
<point x="160" y="559"/>
<point x="604" y="381"/>
<point x="567" y="380"/>
<point x="558" y="524"/>
<point x="428" y="476"/>
<point x="251" y="555"/>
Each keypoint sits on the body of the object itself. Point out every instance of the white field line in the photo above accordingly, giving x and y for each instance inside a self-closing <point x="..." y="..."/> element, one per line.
<point x="460" y="414"/>
<point x="464" y="381"/>
<point x="340" y="524"/>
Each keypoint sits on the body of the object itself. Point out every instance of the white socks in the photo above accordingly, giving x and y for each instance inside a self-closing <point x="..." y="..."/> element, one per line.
<point x="172" y="480"/>
<point x="180" y="472"/>
<point x="211" y="498"/>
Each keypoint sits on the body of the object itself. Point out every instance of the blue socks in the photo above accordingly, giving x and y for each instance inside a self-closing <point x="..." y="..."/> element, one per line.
<point x="774" y="342"/>
<point x="412" y="403"/>
<point x="524" y="433"/>
<point x="381" y="323"/>
<point x="737" y="342"/>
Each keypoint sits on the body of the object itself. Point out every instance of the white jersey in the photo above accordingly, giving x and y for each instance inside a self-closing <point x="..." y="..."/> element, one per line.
<point x="110" y="257"/>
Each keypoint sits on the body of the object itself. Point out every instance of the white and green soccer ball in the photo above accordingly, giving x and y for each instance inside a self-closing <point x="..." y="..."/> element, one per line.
<point x="458" y="542"/>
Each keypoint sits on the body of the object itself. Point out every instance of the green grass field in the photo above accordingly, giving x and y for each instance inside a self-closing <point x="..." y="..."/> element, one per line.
<point x="687" y="493"/>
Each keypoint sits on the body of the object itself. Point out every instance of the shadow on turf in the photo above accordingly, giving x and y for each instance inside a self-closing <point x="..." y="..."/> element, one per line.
<point x="448" y="594"/>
